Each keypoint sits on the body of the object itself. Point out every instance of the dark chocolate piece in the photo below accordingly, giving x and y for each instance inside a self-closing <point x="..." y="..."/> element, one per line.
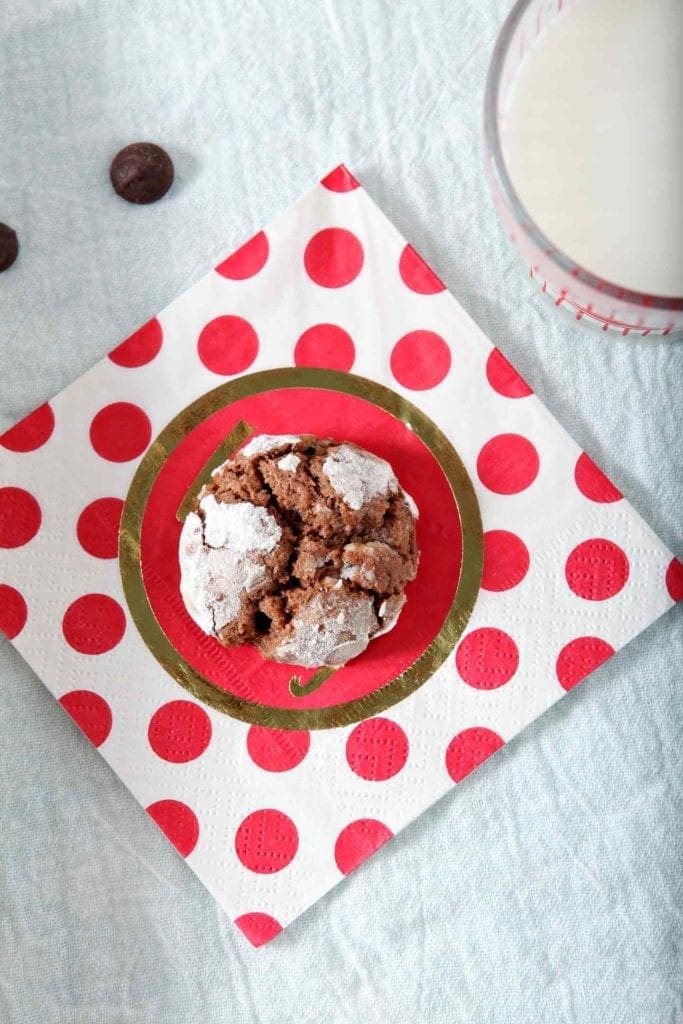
<point x="141" y="173"/>
<point x="9" y="246"/>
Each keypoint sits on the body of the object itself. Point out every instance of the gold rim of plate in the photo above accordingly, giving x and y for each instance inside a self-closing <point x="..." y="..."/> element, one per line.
<point x="389" y="693"/>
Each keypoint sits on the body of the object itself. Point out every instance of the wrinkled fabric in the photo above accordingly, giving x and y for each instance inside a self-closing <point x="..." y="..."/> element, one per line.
<point x="546" y="887"/>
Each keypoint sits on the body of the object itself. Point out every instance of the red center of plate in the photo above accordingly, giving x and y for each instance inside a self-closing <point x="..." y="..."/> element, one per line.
<point x="242" y="671"/>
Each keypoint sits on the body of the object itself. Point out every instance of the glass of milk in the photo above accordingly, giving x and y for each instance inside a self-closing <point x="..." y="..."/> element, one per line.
<point x="584" y="136"/>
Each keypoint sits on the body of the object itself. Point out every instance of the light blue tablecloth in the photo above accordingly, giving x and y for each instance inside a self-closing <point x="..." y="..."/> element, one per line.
<point x="547" y="888"/>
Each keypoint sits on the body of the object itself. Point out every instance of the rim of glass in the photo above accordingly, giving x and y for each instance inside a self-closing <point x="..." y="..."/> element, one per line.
<point x="522" y="215"/>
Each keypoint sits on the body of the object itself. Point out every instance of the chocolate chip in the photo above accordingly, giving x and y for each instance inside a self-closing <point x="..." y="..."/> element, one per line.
<point x="142" y="172"/>
<point x="9" y="246"/>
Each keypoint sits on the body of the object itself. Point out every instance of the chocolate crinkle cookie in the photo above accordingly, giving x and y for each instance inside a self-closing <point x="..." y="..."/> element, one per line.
<point x="299" y="546"/>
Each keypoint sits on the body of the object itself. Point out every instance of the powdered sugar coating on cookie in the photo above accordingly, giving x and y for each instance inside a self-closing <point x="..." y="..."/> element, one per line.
<point x="220" y="558"/>
<point x="332" y="628"/>
<point x="411" y="503"/>
<point x="262" y="443"/>
<point x="357" y="476"/>
<point x="289" y="463"/>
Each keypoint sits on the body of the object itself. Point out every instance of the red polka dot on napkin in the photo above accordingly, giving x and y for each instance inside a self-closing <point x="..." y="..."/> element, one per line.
<point x="97" y="528"/>
<point x="248" y="260"/>
<point x="504" y="378"/>
<point x="90" y="712"/>
<point x="178" y="822"/>
<point x="418" y="275"/>
<point x="13" y="611"/>
<point x="597" y="569"/>
<point x="30" y="433"/>
<point x="469" y="749"/>
<point x="593" y="483"/>
<point x="120" y="432"/>
<point x="20" y="517"/>
<point x="179" y="731"/>
<point x="506" y="560"/>
<point x="141" y="347"/>
<point x="228" y="345"/>
<point x="358" y="841"/>
<point x="487" y="658"/>
<point x="94" y="624"/>
<point x="258" y="927"/>
<point x="277" y="750"/>
<point x="580" y="657"/>
<point x="674" y="580"/>
<point x="266" y="841"/>
<point x="420" y="360"/>
<point x="334" y="258"/>
<point x="340" y="180"/>
<point x="377" y="749"/>
<point x="508" y="464"/>
<point x="327" y="346"/>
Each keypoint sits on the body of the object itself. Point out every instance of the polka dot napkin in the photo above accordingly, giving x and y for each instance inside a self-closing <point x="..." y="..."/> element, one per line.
<point x="272" y="782"/>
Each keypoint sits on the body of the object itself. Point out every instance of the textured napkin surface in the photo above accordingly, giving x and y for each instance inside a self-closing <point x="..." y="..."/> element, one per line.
<point x="514" y="906"/>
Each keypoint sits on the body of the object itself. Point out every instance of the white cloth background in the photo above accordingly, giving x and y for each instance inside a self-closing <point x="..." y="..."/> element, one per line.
<point x="547" y="886"/>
